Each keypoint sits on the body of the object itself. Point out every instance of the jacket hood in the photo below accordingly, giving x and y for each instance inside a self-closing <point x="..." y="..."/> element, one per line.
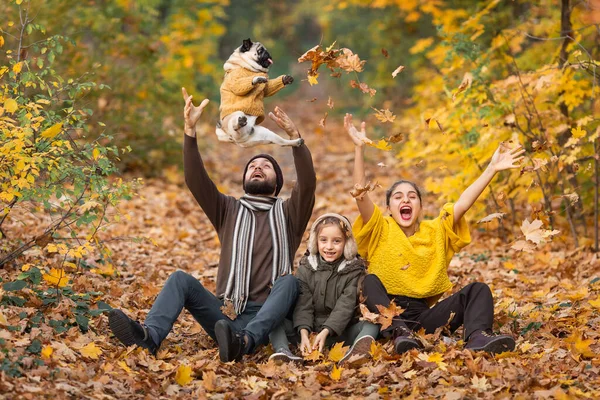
<point x="312" y="261"/>
<point x="350" y="248"/>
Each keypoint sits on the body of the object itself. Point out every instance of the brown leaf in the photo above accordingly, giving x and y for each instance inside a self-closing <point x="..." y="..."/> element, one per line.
<point x="397" y="138"/>
<point x="322" y="121"/>
<point x="385" y="53"/>
<point x="350" y="62"/>
<point x="228" y="310"/>
<point x="363" y="88"/>
<point x="501" y="199"/>
<point x="359" y="191"/>
<point x="44" y="239"/>
<point x="368" y="315"/>
<point x="384" y="115"/>
<point x="312" y="100"/>
<point x="466" y="82"/>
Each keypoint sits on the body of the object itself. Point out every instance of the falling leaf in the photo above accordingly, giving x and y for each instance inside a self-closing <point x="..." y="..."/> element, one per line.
<point x="428" y="121"/>
<point x="311" y="100"/>
<point x="397" y="71"/>
<point x="330" y="102"/>
<point x="359" y="191"/>
<point x="363" y="88"/>
<point x="322" y="121"/>
<point x="491" y="217"/>
<point x="381" y="165"/>
<point x="387" y="314"/>
<point x="501" y="199"/>
<point x="51" y="132"/>
<point x="381" y="145"/>
<point x="523" y="245"/>
<point x="56" y="277"/>
<point x="384" y="115"/>
<point x="466" y="82"/>
<point x="183" y="376"/>
<point x="397" y="138"/>
<point x="336" y="373"/>
<point x="572" y="198"/>
<point x="228" y="310"/>
<point x="91" y="351"/>
<point x="337" y="352"/>
<point x="532" y="230"/>
<point x="47" y="352"/>
<point x="350" y="62"/>
<point x="385" y="53"/>
<point x="312" y="79"/>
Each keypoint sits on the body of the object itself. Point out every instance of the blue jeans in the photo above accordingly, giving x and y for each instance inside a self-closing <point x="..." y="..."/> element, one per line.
<point x="183" y="290"/>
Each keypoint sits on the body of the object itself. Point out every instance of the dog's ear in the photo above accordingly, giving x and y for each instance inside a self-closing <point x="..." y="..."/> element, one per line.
<point x="246" y="45"/>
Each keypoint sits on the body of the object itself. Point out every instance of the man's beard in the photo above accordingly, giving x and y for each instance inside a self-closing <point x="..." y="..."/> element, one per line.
<point x="260" y="187"/>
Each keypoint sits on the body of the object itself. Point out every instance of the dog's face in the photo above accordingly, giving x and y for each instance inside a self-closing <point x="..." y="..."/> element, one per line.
<point x="255" y="52"/>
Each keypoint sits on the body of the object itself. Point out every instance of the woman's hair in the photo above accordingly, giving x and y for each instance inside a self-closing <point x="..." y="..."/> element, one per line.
<point x="388" y="193"/>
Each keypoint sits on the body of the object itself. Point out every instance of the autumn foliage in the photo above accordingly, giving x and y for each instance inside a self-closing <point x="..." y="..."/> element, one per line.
<point x="90" y="91"/>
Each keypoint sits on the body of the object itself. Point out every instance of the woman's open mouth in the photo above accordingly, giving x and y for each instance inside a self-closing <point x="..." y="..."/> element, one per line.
<point x="406" y="213"/>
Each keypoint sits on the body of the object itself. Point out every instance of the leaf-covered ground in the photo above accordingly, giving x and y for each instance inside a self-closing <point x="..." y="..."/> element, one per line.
<point x="549" y="301"/>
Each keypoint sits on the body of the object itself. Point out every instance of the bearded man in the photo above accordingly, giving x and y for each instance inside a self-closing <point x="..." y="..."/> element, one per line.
<point x="259" y="235"/>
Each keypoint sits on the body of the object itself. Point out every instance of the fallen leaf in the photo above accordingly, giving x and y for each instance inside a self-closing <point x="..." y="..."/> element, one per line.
<point x="56" y="277"/>
<point x="91" y="351"/>
<point x="209" y="380"/>
<point x="183" y="376"/>
<point x="368" y="315"/>
<point x="47" y="352"/>
<point x="337" y="352"/>
<point x="229" y="310"/>
<point x="336" y="374"/>
<point x="480" y="384"/>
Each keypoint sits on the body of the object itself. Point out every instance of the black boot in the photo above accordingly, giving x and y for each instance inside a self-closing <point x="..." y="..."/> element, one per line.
<point x="232" y="345"/>
<point x="487" y="341"/>
<point x="405" y="340"/>
<point x="130" y="332"/>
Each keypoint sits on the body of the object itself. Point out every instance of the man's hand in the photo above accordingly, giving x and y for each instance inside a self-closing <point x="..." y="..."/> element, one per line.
<point x="287" y="79"/>
<point x="191" y="113"/>
<point x="358" y="137"/>
<point x="304" y="342"/>
<point x="284" y="122"/>
<point x="259" y="79"/>
<point x="319" y="342"/>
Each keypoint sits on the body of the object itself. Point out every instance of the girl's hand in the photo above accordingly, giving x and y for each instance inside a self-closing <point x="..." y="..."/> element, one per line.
<point x="304" y="342"/>
<point x="284" y="122"/>
<point x="505" y="158"/>
<point x="358" y="137"/>
<point x="319" y="342"/>
<point x="191" y="113"/>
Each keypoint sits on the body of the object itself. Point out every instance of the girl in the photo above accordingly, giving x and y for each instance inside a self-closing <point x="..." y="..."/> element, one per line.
<point x="408" y="259"/>
<point x="328" y="277"/>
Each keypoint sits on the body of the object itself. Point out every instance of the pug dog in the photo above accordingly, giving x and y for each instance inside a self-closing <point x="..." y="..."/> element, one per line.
<point x="244" y="87"/>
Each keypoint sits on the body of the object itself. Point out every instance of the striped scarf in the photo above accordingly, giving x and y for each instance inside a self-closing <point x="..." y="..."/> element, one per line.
<point x="238" y="281"/>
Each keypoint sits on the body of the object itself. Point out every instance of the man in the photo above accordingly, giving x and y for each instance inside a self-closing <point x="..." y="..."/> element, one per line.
<point x="259" y="235"/>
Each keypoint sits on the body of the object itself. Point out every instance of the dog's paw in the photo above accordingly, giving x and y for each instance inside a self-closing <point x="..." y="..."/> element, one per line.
<point x="287" y="79"/>
<point x="242" y="122"/>
<point x="259" y="79"/>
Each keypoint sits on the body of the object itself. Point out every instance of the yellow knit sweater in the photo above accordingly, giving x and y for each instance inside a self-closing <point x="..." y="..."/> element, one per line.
<point x="238" y="93"/>
<point x="416" y="266"/>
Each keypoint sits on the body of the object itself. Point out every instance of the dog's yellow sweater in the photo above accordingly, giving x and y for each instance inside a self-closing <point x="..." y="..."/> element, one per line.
<point x="415" y="266"/>
<point x="239" y="94"/>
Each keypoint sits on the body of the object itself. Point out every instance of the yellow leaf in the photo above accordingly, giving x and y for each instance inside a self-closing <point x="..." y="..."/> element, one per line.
<point x="336" y="374"/>
<point x="10" y="105"/>
<point x="578" y="132"/>
<point x="18" y="2"/>
<point x="381" y="145"/>
<point x="96" y="153"/>
<point x="51" y="132"/>
<point x="56" y="277"/>
<point x="312" y="79"/>
<point x="580" y="346"/>
<point x="47" y="352"/>
<point x="183" y="375"/>
<point x="91" y="351"/>
<point x="17" y="67"/>
<point x="125" y="367"/>
<point x="384" y="115"/>
<point x="314" y="356"/>
<point x="3" y="320"/>
<point x="1" y="41"/>
<point x="337" y="352"/>
<point x="595" y="303"/>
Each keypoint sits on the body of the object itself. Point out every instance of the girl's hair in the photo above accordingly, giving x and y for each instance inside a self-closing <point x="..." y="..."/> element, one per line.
<point x="388" y="193"/>
<point x="350" y="247"/>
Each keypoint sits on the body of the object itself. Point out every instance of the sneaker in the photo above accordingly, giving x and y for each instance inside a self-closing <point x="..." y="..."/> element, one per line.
<point x="283" y="355"/>
<point x="487" y="341"/>
<point x="231" y="344"/>
<point x="360" y="349"/>
<point x="405" y="340"/>
<point x="130" y="332"/>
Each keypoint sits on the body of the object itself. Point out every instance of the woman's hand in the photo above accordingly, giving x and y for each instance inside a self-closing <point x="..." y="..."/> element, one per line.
<point x="304" y="342"/>
<point x="319" y="342"/>
<point x="505" y="158"/>
<point x="358" y="137"/>
<point x="284" y="122"/>
<point x="191" y="113"/>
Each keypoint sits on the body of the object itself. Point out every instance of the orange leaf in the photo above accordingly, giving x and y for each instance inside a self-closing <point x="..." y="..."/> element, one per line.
<point x="337" y="352"/>
<point x="384" y="115"/>
<point x="56" y="277"/>
<point x="336" y="374"/>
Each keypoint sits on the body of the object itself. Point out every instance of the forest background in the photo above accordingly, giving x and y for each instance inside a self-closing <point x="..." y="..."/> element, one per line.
<point x="96" y="213"/>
